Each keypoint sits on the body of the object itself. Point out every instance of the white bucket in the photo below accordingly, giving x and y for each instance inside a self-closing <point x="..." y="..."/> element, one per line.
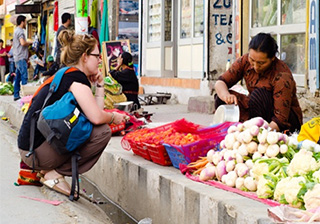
<point x="226" y="113"/>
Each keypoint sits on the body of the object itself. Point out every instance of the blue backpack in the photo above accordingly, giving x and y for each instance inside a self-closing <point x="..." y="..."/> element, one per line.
<point x="64" y="127"/>
<point x="62" y="124"/>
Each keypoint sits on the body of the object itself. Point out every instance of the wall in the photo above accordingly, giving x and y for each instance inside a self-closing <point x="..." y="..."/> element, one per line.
<point x="220" y="36"/>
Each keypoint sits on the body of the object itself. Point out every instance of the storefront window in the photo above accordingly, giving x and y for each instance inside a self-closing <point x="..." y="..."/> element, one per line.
<point x="168" y="20"/>
<point x="198" y="18"/>
<point x="293" y="11"/>
<point x="154" y="28"/>
<point x="185" y="26"/>
<point x="264" y="13"/>
<point x="293" y="52"/>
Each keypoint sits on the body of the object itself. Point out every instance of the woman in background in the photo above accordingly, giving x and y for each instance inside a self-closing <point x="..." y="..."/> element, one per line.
<point x="125" y="75"/>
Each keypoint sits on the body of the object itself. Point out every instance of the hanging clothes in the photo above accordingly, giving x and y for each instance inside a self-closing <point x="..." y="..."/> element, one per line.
<point x="55" y="17"/>
<point x="43" y="29"/>
<point x="39" y="26"/>
<point x="104" y="32"/>
<point x="93" y="14"/>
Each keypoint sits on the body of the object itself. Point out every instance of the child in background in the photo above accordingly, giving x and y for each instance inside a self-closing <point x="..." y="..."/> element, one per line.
<point x="53" y="67"/>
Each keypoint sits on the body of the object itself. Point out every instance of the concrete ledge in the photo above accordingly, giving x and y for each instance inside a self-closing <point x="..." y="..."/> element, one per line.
<point x="201" y="104"/>
<point x="145" y="189"/>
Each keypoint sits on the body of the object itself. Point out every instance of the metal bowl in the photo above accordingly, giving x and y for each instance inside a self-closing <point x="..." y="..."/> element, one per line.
<point x="124" y="106"/>
<point x="226" y="113"/>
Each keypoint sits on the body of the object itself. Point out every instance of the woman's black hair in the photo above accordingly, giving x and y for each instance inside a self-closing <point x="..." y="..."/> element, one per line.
<point x="264" y="42"/>
<point x="127" y="59"/>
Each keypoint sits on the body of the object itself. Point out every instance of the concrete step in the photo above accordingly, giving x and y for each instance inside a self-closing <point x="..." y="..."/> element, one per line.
<point x="201" y="104"/>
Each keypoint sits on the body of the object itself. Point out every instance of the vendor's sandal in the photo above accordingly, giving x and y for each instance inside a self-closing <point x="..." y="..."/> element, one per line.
<point x="52" y="184"/>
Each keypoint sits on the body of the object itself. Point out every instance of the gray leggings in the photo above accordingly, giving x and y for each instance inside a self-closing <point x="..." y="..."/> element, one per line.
<point x="48" y="159"/>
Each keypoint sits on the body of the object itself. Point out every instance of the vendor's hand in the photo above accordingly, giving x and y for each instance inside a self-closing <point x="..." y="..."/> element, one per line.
<point x="230" y="99"/>
<point x="119" y="118"/>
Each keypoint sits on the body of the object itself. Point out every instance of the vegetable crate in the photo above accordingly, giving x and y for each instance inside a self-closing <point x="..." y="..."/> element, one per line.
<point x="158" y="154"/>
<point x="186" y="154"/>
<point x="137" y="147"/>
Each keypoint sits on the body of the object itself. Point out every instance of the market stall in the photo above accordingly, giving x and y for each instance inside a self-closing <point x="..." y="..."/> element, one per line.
<point x="280" y="170"/>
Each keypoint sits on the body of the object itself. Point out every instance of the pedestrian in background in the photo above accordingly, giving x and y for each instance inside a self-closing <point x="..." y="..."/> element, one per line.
<point x="272" y="89"/>
<point x="3" y="55"/>
<point x="21" y="55"/>
<point x="66" y="22"/>
<point x="41" y="65"/>
<point x="12" y="66"/>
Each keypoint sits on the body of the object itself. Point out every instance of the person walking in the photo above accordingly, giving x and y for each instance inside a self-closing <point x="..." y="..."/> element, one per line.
<point x="66" y="22"/>
<point x="20" y="54"/>
<point x="3" y="54"/>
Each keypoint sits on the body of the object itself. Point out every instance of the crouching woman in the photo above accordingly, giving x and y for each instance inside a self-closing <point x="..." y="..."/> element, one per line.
<point x="81" y="54"/>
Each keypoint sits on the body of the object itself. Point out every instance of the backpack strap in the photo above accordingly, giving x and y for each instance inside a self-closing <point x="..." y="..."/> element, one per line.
<point x="57" y="78"/>
<point x="55" y="81"/>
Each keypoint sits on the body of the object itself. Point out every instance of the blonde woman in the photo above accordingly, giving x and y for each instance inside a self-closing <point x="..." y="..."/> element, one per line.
<point x="81" y="54"/>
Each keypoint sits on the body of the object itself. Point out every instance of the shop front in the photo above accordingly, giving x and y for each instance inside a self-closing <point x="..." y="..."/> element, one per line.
<point x="173" y="56"/>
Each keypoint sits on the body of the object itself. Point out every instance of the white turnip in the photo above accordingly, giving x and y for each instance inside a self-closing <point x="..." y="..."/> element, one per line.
<point x="243" y="150"/>
<point x="247" y="137"/>
<point x="252" y="147"/>
<point x="250" y="183"/>
<point x="272" y="150"/>
<point x="256" y="155"/>
<point x="230" y="165"/>
<point x="273" y="137"/>
<point x="207" y="173"/>
<point x="241" y="169"/>
<point x="239" y="158"/>
<point x="230" y="179"/>
<point x="249" y="163"/>
<point x="210" y="153"/>
<point x="283" y="148"/>
<point x="262" y="148"/>
<point x="262" y="136"/>
<point x="236" y="145"/>
<point x="221" y="169"/>
<point x="240" y="183"/>
<point x="232" y="129"/>
<point x="254" y="130"/>
<point x="229" y="140"/>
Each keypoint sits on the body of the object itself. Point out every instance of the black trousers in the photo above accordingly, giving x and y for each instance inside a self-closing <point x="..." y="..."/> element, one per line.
<point x="261" y="105"/>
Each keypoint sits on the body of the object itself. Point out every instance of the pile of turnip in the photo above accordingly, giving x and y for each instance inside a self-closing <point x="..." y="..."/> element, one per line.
<point x="245" y="143"/>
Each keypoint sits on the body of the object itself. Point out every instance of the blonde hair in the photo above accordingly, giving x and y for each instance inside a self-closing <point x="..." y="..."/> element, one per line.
<point x="74" y="45"/>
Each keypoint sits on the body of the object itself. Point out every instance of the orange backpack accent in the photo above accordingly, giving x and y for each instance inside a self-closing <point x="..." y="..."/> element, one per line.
<point x="48" y="81"/>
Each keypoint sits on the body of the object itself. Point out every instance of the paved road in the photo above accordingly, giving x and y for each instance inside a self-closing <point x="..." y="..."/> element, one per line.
<point x="14" y="209"/>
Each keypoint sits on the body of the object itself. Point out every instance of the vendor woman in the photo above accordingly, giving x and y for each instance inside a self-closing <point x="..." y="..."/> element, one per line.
<point x="272" y="89"/>
<point x="125" y="75"/>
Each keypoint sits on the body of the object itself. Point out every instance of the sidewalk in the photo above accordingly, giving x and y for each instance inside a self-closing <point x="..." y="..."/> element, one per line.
<point x="145" y="189"/>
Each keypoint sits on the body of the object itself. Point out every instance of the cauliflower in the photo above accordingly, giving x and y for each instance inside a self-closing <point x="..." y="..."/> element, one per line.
<point x="312" y="198"/>
<point x="259" y="169"/>
<point x="288" y="189"/>
<point x="302" y="163"/>
<point x="264" y="189"/>
<point x="316" y="176"/>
